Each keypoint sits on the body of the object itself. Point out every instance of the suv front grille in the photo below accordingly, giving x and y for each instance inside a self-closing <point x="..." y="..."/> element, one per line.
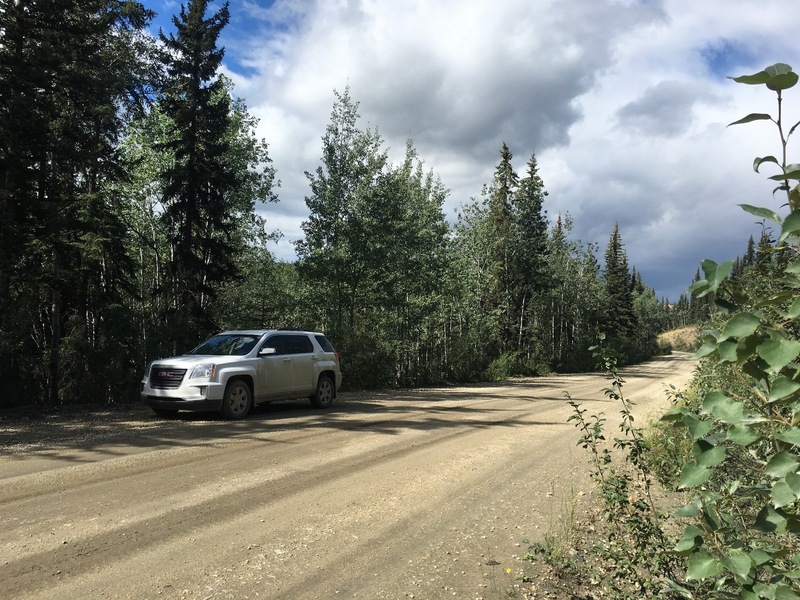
<point x="166" y="378"/>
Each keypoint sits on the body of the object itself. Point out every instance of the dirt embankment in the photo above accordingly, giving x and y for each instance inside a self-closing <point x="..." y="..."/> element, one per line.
<point x="684" y="339"/>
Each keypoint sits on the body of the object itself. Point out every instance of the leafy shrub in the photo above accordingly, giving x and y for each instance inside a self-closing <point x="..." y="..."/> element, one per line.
<point x="739" y="422"/>
<point x="744" y="472"/>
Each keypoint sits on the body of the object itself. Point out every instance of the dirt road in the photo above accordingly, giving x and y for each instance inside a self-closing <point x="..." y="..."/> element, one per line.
<point x="413" y="494"/>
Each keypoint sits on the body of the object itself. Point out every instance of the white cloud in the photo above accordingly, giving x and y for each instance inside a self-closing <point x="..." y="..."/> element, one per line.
<point x="625" y="104"/>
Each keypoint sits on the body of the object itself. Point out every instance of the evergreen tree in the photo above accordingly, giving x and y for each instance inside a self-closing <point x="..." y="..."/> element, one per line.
<point x="70" y="74"/>
<point x="237" y="301"/>
<point x="201" y="212"/>
<point x="503" y="277"/>
<point x="619" y="321"/>
<point x="749" y="258"/>
<point x="530" y="263"/>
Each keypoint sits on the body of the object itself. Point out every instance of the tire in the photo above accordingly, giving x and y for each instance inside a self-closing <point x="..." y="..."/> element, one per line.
<point x="237" y="401"/>
<point x="325" y="393"/>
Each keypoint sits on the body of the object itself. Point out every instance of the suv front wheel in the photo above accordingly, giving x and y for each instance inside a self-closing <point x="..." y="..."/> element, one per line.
<point x="323" y="397"/>
<point x="237" y="400"/>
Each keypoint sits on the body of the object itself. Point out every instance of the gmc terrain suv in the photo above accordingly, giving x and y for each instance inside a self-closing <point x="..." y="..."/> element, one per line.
<point x="234" y="370"/>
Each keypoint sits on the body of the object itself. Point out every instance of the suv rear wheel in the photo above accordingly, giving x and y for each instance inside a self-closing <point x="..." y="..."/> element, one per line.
<point x="237" y="400"/>
<point x="323" y="397"/>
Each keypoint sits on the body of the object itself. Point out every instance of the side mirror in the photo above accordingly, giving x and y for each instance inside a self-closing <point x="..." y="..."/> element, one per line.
<point x="267" y="351"/>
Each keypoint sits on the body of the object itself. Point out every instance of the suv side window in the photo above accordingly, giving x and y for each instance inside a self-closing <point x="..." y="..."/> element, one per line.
<point x="300" y="344"/>
<point x="324" y="343"/>
<point x="279" y="342"/>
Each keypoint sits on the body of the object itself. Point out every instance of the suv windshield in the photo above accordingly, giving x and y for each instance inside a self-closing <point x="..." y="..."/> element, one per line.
<point x="227" y="344"/>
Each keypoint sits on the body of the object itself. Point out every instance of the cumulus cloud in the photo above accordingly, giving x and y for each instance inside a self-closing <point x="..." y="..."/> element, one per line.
<point x="624" y="102"/>
<point x="665" y="109"/>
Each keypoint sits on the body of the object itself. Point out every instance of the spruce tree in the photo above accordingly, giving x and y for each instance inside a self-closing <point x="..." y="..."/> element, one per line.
<point x="200" y="213"/>
<point x="618" y="315"/>
<point x="70" y="74"/>
<point x="503" y="277"/>
<point x="530" y="263"/>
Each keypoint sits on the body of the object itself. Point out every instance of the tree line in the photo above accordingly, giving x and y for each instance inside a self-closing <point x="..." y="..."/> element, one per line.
<point x="132" y="184"/>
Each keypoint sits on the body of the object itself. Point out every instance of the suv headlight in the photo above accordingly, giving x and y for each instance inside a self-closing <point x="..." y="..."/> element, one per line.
<point x="204" y="371"/>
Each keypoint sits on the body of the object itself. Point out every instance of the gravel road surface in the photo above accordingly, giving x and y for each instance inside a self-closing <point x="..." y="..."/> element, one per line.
<point x="426" y="494"/>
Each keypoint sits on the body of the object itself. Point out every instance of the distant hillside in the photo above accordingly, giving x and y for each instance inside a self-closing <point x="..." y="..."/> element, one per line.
<point x="684" y="339"/>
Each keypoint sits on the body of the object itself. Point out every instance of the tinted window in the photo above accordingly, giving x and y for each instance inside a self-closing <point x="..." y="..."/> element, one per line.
<point x="238" y="345"/>
<point x="300" y="344"/>
<point x="279" y="342"/>
<point x="324" y="343"/>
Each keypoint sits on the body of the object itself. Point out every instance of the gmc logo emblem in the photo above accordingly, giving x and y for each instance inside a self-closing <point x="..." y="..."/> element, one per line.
<point x="165" y="374"/>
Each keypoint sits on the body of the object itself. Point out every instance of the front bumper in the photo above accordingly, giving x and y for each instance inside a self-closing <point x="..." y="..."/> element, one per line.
<point x="198" y="404"/>
<point x="187" y="397"/>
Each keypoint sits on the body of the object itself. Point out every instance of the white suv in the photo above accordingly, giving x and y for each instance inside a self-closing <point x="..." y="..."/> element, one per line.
<point x="234" y="370"/>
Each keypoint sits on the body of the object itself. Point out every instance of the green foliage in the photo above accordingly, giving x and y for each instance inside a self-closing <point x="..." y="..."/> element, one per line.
<point x="130" y="195"/>
<point x="376" y="254"/>
<point x="200" y="211"/>
<point x="63" y="270"/>
<point x="744" y="471"/>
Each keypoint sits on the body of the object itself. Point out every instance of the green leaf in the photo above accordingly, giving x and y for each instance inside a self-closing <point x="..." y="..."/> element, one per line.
<point x="778" y="353"/>
<point x="780" y="464"/>
<point x="771" y="520"/>
<point x="752" y="117"/>
<point x="689" y="510"/>
<point x="777" y="77"/>
<point x="699" y="288"/>
<point x="782" y="82"/>
<point x="697" y="427"/>
<point x="791" y="225"/>
<point x="786" y="490"/>
<point x="712" y="457"/>
<point x="742" y="435"/>
<point x="692" y="538"/>
<point x="728" y="351"/>
<point x="794" y="310"/>
<point x="784" y="592"/>
<point x="723" y="408"/>
<point x="778" y="298"/>
<point x="762" y="212"/>
<point x="693" y="475"/>
<point x="675" y="414"/>
<point x="704" y="350"/>
<point x="702" y="565"/>
<point x="794" y="267"/>
<point x="782" y="388"/>
<point x="740" y="325"/>
<point x="790" y="172"/>
<point x="790" y="436"/>
<point x="781" y="494"/>
<point x="756" y="164"/>
<point x="715" y="274"/>
<point x="739" y="564"/>
<point x="759" y="557"/>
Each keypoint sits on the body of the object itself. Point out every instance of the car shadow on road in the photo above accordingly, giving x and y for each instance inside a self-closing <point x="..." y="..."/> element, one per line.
<point x="120" y="430"/>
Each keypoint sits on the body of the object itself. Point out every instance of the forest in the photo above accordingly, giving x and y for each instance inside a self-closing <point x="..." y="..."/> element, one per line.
<point x="135" y="196"/>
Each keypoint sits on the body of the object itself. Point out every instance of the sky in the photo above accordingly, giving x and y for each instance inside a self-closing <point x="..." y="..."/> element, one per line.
<point x="624" y="103"/>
